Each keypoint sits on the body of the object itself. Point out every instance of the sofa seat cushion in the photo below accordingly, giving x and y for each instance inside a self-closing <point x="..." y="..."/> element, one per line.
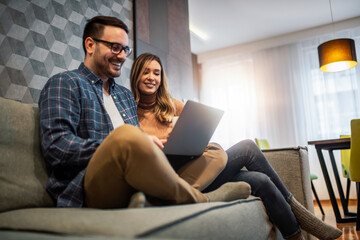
<point x="218" y="220"/>
<point x="20" y="235"/>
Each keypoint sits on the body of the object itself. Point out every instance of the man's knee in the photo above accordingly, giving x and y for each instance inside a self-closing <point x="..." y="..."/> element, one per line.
<point x="128" y="140"/>
<point x="126" y="131"/>
<point x="127" y="135"/>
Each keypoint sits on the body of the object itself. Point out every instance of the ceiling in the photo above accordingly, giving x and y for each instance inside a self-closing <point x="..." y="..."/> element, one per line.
<point x="231" y="22"/>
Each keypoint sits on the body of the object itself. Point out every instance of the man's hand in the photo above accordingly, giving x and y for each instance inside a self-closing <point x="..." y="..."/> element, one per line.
<point x="159" y="142"/>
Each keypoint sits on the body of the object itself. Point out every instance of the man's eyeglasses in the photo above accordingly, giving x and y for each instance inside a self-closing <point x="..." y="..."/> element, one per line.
<point x="116" y="48"/>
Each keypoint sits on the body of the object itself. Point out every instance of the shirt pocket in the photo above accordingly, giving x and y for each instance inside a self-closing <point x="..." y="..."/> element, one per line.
<point x="91" y="116"/>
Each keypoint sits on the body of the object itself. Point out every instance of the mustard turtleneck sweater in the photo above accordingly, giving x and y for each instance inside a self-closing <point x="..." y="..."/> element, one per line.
<point x="149" y="123"/>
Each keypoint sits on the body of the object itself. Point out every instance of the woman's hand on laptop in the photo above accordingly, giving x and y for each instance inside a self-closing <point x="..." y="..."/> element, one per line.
<point x="159" y="142"/>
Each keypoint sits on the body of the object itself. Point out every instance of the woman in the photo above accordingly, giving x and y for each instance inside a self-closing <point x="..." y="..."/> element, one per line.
<point x="156" y="110"/>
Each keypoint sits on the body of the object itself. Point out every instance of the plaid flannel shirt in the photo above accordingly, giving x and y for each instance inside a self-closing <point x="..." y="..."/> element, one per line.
<point x="73" y="123"/>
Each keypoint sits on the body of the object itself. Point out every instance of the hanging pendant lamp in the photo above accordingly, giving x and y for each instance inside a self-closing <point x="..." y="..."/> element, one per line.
<point x="337" y="55"/>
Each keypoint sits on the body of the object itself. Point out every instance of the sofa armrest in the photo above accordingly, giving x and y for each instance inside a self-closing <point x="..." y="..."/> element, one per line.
<point x="292" y="165"/>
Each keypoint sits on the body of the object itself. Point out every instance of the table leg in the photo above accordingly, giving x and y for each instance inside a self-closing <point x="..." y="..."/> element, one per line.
<point x="328" y="184"/>
<point x="338" y="183"/>
<point x="334" y="204"/>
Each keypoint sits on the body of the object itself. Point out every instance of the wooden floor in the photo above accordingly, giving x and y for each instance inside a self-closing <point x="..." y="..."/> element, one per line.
<point x="349" y="230"/>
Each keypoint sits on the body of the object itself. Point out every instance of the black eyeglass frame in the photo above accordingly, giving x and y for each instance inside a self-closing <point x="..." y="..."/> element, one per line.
<point x="127" y="49"/>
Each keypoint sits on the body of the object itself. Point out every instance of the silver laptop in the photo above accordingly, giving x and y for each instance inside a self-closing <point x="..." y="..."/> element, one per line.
<point x="193" y="130"/>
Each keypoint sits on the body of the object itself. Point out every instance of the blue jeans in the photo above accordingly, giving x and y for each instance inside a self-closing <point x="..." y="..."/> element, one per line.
<point x="264" y="182"/>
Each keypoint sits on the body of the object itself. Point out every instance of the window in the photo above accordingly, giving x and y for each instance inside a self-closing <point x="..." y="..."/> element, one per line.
<point x="333" y="98"/>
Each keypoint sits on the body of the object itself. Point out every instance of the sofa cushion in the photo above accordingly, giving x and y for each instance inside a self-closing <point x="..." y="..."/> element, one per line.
<point x="16" y="235"/>
<point x="242" y="219"/>
<point x="23" y="174"/>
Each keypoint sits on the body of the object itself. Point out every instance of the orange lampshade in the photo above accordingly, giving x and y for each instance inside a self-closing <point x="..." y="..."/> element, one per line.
<point x="337" y="55"/>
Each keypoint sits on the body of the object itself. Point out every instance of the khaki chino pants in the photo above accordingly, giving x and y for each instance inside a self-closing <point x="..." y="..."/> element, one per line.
<point x="128" y="160"/>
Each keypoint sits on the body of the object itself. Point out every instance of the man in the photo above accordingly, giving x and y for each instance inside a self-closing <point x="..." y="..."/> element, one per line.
<point x="97" y="155"/>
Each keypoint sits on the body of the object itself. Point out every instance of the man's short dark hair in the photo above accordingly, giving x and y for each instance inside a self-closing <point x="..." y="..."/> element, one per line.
<point x="95" y="27"/>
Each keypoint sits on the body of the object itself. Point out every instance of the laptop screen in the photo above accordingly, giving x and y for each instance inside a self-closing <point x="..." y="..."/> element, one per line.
<point x="193" y="130"/>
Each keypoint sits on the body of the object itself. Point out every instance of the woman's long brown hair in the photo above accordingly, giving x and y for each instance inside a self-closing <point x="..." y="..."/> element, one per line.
<point x="164" y="108"/>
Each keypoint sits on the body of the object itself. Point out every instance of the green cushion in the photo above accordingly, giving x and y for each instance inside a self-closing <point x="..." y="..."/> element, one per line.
<point x="23" y="174"/>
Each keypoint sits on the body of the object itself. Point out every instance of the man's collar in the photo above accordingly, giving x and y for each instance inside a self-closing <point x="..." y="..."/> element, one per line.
<point x="92" y="77"/>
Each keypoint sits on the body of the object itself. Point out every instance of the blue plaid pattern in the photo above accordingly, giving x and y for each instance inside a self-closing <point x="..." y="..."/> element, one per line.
<point x="73" y="123"/>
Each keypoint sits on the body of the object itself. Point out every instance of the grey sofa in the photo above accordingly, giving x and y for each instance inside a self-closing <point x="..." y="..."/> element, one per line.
<point x="28" y="212"/>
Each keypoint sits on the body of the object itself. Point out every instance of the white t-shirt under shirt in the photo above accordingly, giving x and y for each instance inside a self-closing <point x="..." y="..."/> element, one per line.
<point x="113" y="112"/>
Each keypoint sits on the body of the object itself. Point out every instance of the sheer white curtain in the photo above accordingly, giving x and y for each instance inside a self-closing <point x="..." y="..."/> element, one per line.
<point x="228" y="84"/>
<point x="258" y="96"/>
<point x="279" y="108"/>
<point x="281" y="95"/>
